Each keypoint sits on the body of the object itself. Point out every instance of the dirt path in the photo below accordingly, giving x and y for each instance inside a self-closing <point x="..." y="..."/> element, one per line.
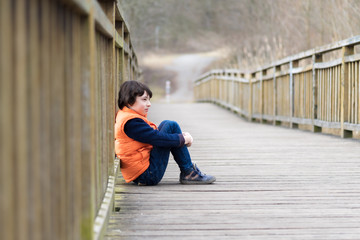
<point x="187" y="68"/>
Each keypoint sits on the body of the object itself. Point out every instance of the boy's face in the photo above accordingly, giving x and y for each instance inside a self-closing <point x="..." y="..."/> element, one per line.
<point x="142" y="104"/>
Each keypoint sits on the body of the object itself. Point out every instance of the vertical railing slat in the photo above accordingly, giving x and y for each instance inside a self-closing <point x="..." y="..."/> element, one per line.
<point x="7" y="139"/>
<point x="346" y="51"/>
<point x="21" y="125"/>
<point x="35" y="121"/>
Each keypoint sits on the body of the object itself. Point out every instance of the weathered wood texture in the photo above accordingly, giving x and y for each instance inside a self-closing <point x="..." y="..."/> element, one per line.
<point x="318" y="90"/>
<point x="60" y="68"/>
<point x="272" y="183"/>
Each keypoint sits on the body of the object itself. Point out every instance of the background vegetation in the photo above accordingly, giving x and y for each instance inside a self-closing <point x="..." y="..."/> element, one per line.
<point x="255" y="31"/>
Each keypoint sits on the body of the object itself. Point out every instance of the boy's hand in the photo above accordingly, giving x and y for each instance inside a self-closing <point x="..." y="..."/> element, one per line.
<point x="188" y="139"/>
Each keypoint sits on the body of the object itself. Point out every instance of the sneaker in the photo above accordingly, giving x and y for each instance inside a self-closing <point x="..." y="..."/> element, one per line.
<point x="196" y="177"/>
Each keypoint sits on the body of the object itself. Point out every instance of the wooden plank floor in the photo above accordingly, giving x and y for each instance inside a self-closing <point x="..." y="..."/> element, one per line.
<point x="272" y="183"/>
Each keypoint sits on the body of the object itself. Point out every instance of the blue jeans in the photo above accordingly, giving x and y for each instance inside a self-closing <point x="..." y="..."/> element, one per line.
<point x="159" y="157"/>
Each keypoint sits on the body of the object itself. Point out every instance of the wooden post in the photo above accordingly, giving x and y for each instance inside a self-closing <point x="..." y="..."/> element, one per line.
<point x="315" y="59"/>
<point x="216" y="87"/>
<point x="213" y="87"/>
<point x="220" y="87"/>
<point x="292" y="65"/>
<point x="241" y="94"/>
<point x="232" y="99"/>
<point x="88" y="119"/>
<point x="112" y="96"/>
<point x="109" y="9"/>
<point x="262" y="73"/>
<point x="119" y="27"/>
<point x="123" y="57"/>
<point x="126" y="56"/>
<point x="276" y="71"/>
<point x="237" y="92"/>
<point x="73" y="104"/>
<point x="291" y="93"/>
<point x="346" y="51"/>
<point x="251" y="76"/>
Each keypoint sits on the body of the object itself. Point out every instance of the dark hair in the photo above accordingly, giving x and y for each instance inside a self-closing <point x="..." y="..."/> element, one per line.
<point x="128" y="92"/>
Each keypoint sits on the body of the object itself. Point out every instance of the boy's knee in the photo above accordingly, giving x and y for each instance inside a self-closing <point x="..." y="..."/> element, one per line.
<point x="169" y="123"/>
<point x="163" y="123"/>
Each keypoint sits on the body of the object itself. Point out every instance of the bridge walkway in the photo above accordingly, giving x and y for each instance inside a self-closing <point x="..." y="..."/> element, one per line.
<point x="272" y="183"/>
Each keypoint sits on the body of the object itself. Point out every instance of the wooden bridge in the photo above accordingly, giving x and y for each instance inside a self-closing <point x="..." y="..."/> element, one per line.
<point x="272" y="183"/>
<point x="61" y="65"/>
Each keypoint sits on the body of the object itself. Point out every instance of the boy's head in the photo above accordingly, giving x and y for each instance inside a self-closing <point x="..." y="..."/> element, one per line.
<point x="128" y="92"/>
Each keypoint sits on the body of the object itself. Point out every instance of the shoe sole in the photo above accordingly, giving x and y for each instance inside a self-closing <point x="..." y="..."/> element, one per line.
<point x="197" y="182"/>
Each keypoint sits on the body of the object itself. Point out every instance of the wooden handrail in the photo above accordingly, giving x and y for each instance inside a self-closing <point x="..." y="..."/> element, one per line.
<point x="320" y="96"/>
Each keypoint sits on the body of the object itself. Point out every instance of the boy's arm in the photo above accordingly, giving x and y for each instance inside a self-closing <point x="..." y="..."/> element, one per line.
<point x="140" y="131"/>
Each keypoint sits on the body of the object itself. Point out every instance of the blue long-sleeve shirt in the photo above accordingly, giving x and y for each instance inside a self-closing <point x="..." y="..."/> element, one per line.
<point x="140" y="131"/>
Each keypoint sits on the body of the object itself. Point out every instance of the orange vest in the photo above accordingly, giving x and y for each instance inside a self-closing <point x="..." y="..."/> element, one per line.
<point x="134" y="156"/>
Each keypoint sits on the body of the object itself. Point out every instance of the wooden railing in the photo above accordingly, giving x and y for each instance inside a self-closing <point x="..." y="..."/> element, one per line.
<point x="61" y="64"/>
<point x="317" y="90"/>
